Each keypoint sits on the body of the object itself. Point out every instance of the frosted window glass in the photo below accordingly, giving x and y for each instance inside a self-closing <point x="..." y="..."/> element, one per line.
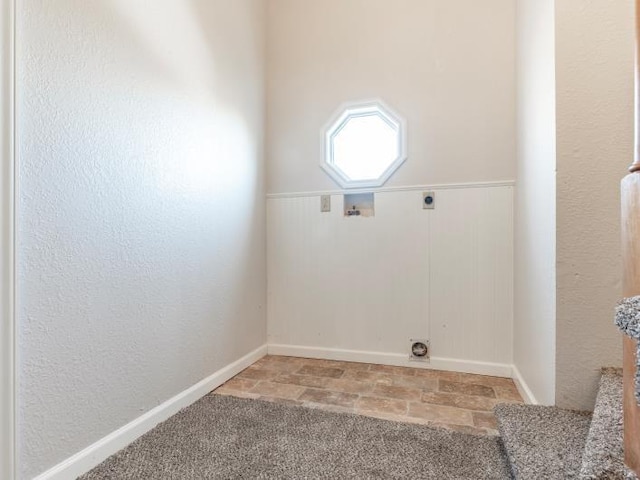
<point x="365" y="147"/>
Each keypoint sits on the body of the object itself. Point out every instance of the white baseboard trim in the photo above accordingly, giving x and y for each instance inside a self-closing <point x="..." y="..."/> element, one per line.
<point x="93" y="455"/>
<point x="525" y="392"/>
<point x="395" y="359"/>
<point x="470" y="366"/>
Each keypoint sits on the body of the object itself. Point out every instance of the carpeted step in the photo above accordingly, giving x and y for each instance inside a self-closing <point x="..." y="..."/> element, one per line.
<point x="542" y="442"/>
<point x="603" y="456"/>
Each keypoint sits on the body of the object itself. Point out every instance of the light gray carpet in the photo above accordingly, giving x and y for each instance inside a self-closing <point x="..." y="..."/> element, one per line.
<point x="543" y="442"/>
<point x="603" y="456"/>
<point x="225" y="438"/>
<point x="628" y="321"/>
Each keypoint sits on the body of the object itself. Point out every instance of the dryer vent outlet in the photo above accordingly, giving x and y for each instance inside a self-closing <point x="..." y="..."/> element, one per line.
<point x="419" y="350"/>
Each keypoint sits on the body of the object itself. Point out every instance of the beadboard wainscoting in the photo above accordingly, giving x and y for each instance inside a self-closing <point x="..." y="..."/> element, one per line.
<point x="353" y="288"/>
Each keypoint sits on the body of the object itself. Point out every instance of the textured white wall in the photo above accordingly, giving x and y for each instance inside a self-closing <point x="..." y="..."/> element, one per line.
<point x="362" y="287"/>
<point x="535" y="206"/>
<point x="141" y="254"/>
<point x="447" y="66"/>
<point x="594" y="74"/>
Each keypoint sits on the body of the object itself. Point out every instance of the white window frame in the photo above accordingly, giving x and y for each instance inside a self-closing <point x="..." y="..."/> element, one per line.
<point x="340" y="118"/>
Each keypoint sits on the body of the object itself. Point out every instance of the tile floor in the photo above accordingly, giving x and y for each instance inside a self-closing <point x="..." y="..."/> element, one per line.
<point x="457" y="401"/>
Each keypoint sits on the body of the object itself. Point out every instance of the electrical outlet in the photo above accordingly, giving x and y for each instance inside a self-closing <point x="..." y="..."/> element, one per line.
<point x="428" y="200"/>
<point x="325" y="203"/>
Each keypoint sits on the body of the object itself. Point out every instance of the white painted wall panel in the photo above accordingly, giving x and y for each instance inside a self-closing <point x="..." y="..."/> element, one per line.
<point x="348" y="283"/>
<point x="471" y="251"/>
<point x="370" y="284"/>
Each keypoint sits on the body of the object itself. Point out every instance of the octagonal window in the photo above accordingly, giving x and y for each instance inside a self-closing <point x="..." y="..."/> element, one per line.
<point x="364" y="145"/>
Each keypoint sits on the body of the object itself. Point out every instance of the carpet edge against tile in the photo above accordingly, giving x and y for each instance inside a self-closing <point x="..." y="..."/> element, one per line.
<point x="228" y="437"/>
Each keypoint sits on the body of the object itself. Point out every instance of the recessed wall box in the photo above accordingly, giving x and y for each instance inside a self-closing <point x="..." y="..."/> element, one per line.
<point x="359" y="205"/>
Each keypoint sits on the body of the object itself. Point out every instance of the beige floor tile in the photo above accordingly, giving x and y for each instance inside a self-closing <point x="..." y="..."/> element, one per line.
<point x="401" y="393"/>
<point x="449" y="376"/>
<point x="284" y="358"/>
<point x="492" y="381"/>
<point x="422" y="383"/>
<point x="349" y="386"/>
<point x="485" y="419"/>
<point x="468" y="402"/>
<point x="328" y="372"/>
<point x="356" y="366"/>
<point x="485" y="380"/>
<point x="255" y="373"/>
<point x="236" y="393"/>
<point x="239" y="384"/>
<point x="430" y="373"/>
<point x="406" y="371"/>
<point x="440" y="414"/>
<point x="260" y="363"/>
<point x="451" y="400"/>
<point x="303" y="380"/>
<point x="393" y="417"/>
<point x="337" y="364"/>
<point x="508" y="393"/>
<point x="282" y="401"/>
<point x="329" y="408"/>
<point x="468" y="429"/>
<point x="383" y="405"/>
<point x="329" y="397"/>
<point x="466" y="389"/>
<point x="278" y="364"/>
<point x="373" y="378"/>
<point x="278" y="390"/>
